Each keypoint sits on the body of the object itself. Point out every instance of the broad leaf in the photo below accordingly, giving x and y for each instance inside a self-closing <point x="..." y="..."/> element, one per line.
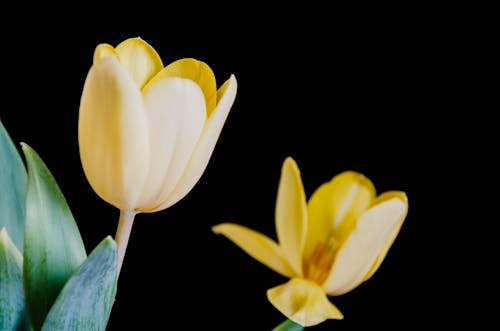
<point x="13" y="187"/>
<point x="53" y="247"/>
<point x="288" y="325"/>
<point x="12" y="309"/>
<point x="85" y="302"/>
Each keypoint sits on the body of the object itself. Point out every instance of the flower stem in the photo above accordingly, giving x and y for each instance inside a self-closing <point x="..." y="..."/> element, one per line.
<point x="288" y="325"/>
<point x="123" y="234"/>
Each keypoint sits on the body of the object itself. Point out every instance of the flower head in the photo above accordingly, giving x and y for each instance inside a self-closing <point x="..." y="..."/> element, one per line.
<point x="146" y="132"/>
<point x="326" y="246"/>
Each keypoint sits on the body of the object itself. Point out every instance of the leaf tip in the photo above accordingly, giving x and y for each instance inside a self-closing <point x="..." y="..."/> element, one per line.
<point x="25" y="148"/>
<point x="109" y="242"/>
<point x="4" y="237"/>
<point x="109" y="238"/>
<point x="6" y="243"/>
<point x="3" y="234"/>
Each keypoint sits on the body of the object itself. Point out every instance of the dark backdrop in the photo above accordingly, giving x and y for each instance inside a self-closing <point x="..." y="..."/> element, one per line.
<point x="352" y="90"/>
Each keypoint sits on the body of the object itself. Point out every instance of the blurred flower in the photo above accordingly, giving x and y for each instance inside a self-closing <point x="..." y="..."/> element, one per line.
<point x="146" y="132"/>
<point x="328" y="246"/>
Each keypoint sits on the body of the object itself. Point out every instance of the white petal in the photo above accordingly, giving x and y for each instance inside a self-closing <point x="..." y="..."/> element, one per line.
<point x="364" y="244"/>
<point x="206" y="144"/>
<point x="175" y="108"/>
<point x="112" y="134"/>
<point x="388" y="243"/>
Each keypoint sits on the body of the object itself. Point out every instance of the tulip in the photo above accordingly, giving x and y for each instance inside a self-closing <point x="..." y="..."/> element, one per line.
<point x="146" y="132"/>
<point x="326" y="246"/>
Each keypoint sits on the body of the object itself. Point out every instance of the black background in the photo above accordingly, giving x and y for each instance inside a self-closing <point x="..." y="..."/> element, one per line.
<point x="363" y="90"/>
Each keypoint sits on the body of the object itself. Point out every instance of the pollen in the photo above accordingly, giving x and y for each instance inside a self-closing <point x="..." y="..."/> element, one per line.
<point x="321" y="260"/>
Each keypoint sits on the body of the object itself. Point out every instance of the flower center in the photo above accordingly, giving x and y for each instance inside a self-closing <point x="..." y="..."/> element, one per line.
<point x="320" y="262"/>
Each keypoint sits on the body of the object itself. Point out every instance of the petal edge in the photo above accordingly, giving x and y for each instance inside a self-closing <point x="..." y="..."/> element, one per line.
<point x="257" y="245"/>
<point x="112" y="134"/>
<point x="291" y="214"/>
<point x="303" y="302"/>
<point x="206" y="144"/>
<point x="359" y="252"/>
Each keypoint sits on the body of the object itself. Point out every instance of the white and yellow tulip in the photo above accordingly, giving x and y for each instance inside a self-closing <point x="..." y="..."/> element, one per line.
<point x="146" y="132"/>
<point x="326" y="246"/>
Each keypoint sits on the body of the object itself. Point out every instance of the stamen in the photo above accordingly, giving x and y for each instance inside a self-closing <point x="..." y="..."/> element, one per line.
<point x="320" y="262"/>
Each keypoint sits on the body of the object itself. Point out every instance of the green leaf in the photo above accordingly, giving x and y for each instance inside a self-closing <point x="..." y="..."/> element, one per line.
<point x="13" y="311"/>
<point x="13" y="186"/>
<point x="53" y="247"/>
<point x="86" y="300"/>
<point x="289" y="325"/>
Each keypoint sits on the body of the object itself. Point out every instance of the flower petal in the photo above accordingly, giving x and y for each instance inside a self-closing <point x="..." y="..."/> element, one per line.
<point x="291" y="214"/>
<point x="388" y="243"/>
<point x="365" y="244"/>
<point x="206" y="143"/>
<point x="175" y="109"/>
<point x="303" y="302"/>
<point x="334" y="207"/>
<point x="197" y="71"/>
<point x="112" y="134"/>
<point x="140" y="59"/>
<point x="102" y="51"/>
<point x="257" y="245"/>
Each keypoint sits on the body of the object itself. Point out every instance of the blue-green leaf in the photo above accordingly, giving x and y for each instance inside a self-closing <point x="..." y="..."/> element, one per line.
<point x="13" y="186"/>
<point x="85" y="302"/>
<point x="289" y="325"/>
<point x="53" y="247"/>
<point x="12" y="309"/>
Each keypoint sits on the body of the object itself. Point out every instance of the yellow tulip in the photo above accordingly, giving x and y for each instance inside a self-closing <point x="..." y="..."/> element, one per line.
<point x="326" y="246"/>
<point x="146" y="132"/>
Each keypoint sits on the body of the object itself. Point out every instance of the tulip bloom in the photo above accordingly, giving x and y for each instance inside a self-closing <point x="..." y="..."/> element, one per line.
<point x="146" y="132"/>
<point x="327" y="246"/>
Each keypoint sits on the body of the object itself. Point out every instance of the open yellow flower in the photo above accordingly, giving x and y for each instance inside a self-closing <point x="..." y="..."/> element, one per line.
<point x="146" y="132"/>
<point x="327" y="246"/>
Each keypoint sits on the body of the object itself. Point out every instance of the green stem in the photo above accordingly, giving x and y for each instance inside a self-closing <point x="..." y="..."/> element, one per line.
<point x="123" y="234"/>
<point x="288" y="325"/>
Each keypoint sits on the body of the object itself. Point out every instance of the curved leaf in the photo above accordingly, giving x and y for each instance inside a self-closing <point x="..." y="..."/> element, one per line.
<point x="13" y="184"/>
<point x="12" y="309"/>
<point x="85" y="302"/>
<point x="53" y="247"/>
<point x="288" y="325"/>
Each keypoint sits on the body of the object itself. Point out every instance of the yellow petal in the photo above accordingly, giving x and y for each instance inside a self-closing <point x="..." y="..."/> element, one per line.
<point x="206" y="144"/>
<point x="102" y="51"/>
<point x="334" y="207"/>
<point x="197" y="71"/>
<point x="366" y="242"/>
<point x="388" y="243"/>
<point x="113" y="134"/>
<point x="175" y="109"/>
<point x="140" y="59"/>
<point x="291" y="214"/>
<point x="257" y="245"/>
<point x="303" y="302"/>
